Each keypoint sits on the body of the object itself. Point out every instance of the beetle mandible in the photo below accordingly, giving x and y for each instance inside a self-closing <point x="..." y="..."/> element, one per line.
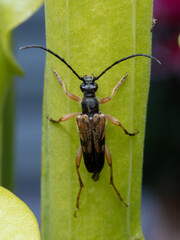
<point x="91" y="122"/>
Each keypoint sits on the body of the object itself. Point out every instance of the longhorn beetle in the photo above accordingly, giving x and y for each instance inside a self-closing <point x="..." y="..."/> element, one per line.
<point x="91" y="122"/>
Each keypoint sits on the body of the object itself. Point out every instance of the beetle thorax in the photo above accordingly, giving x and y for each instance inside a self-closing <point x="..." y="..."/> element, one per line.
<point x="90" y="106"/>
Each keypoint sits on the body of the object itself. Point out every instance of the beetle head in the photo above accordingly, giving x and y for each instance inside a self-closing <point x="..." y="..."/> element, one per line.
<point x="88" y="87"/>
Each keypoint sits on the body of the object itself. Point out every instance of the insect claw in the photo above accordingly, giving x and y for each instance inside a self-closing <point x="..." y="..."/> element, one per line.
<point x="75" y="212"/>
<point x="135" y="133"/>
<point x="126" y="76"/>
<point x="131" y="134"/>
<point x="125" y="204"/>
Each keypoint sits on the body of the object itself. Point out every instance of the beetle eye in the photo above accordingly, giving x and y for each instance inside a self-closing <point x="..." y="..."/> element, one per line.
<point x="95" y="86"/>
<point x="82" y="87"/>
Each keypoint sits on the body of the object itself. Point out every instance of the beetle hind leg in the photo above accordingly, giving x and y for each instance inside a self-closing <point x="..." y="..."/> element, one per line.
<point x="109" y="160"/>
<point x="78" y="162"/>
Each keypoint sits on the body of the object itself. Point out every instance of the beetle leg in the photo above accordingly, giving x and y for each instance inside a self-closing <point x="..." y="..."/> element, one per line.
<point x="70" y="95"/>
<point x="64" y="118"/>
<point x="106" y="99"/>
<point x="117" y="123"/>
<point x="78" y="162"/>
<point x="109" y="160"/>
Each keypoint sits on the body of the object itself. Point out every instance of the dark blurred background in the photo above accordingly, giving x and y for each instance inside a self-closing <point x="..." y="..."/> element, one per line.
<point x="161" y="173"/>
<point x="29" y="94"/>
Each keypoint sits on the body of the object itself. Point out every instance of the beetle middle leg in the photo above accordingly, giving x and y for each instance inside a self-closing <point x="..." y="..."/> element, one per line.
<point x="78" y="162"/>
<point x="64" y="118"/>
<point x="117" y="123"/>
<point x="109" y="160"/>
<point x="106" y="99"/>
<point x="70" y="95"/>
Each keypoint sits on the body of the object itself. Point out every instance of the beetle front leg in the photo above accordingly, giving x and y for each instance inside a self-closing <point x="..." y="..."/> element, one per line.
<point x="106" y="99"/>
<point x="117" y="123"/>
<point x="70" y="95"/>
<point x="109" y="160"/>
<point x="78" y="162"/>
<point x="63" y="119"/>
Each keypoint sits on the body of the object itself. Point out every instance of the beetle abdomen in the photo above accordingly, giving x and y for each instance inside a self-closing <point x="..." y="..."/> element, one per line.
<point x="92" y="137"/>
<point x="94" y="163"/>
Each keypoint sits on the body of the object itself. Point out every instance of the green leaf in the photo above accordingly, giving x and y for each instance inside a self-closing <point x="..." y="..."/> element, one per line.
<point x="6" y="73"/>
<point x="16" y="219"/>
<point x="90" y="36"/>
<point x="14" y="12"/>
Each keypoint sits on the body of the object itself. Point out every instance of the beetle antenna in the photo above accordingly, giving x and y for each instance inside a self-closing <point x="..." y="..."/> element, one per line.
<point x="123" y="59"/>
<point x="48" y="50"/>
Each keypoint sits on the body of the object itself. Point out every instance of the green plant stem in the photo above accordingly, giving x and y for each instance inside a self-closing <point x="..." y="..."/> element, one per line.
<point x="90" y="36"/>
<point x="0" y="148"/>
<point x="12" y="13"/>
<point x="6" y="73"/>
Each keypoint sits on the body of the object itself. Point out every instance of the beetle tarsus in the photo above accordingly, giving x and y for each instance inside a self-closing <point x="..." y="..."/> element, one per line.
<point x="131" y="134"/>
<point x="109" y="160"/>
<point x="78" y="162"/>
<point x="119" y="195"/>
